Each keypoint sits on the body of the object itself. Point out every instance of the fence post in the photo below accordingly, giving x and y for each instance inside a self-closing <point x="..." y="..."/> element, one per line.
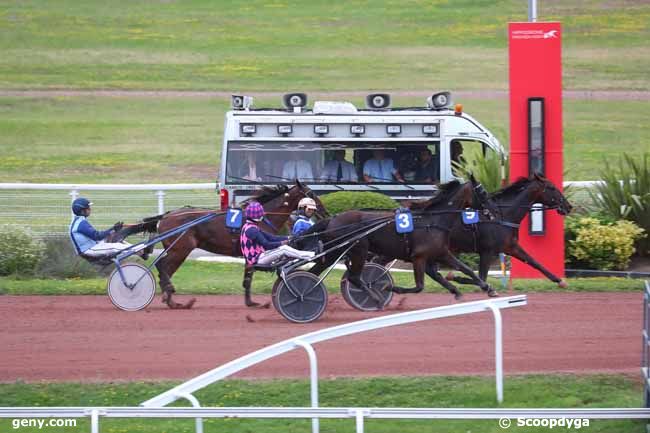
<point x="161" y="201"/>
<point x="94" y="421"/>
<point x="313" y="372"/>
<point x="498" y="350"/>
<point x="198" y="422"/>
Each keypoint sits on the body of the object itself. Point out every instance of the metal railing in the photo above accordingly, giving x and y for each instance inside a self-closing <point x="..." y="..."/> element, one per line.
<point x="45" y="208"/>
<point x="185" y="390"/>
<point x="359" y="414"/>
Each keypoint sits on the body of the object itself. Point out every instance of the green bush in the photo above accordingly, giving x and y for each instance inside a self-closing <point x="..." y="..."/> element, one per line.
<point x="625" y="194"/>
<point x="599" y="245"/>
<point x="342" y="201"/>
<point x="59" y="260"/>
<point x="19" y="251"/>
<point x="486" y="169"/>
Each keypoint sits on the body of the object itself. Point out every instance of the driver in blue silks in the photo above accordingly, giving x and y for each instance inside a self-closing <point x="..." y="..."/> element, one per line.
<point x="87" y="241"/>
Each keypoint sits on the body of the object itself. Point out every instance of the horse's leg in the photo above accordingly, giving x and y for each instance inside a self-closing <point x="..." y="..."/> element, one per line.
<point x="457" y="264"/>
<point x="432" y="271"/>
<point x="485" y="260"/>
<point x="247" y="283"/>
<point x="419" y="268"/>
<point x="167" y="266"/>
<point x="515" y="250"/>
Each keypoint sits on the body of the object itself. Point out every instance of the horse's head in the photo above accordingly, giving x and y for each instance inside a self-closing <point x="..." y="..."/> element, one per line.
<point x="547" y="193"/>
<point x="299" y="191"/>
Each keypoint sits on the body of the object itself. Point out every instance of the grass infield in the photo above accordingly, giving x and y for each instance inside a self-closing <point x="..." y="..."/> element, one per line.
<point x="551" y="391"/>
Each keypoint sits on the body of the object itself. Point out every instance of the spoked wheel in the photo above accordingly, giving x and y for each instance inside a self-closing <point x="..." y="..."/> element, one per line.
<point x="303" y="301"/>
<point x="132" y="298"/>
<point x="376" y="277"/>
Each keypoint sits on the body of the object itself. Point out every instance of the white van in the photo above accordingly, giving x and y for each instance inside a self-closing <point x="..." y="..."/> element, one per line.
<point x="335" y="146"/>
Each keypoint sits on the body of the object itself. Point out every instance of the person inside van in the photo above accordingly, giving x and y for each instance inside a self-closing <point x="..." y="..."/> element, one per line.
<point x="428" y="169"/>
<point x="297" y="168"/>
<point x="248" y="167"/>
<point x="456" y="156"/>
<point x="338" y="169"/>
<point x="380" y="169"/>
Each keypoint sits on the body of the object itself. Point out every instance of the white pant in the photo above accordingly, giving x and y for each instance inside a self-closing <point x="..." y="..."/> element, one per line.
<point x="106" y="249"/>
<point x="283" y="251"/>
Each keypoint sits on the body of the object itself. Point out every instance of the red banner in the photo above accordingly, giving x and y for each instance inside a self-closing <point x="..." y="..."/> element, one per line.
<point x="535" y="59"/>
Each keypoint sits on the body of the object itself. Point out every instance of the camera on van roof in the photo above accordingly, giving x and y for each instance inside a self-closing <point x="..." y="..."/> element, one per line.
<point x="439" y="100"/>
<point x="378" y="101"/>
<point x="241" y="102"/>
<point x="293" y="101"/>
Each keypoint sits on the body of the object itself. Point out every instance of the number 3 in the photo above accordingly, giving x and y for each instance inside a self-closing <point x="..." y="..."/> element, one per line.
<point x="404" y="221"/>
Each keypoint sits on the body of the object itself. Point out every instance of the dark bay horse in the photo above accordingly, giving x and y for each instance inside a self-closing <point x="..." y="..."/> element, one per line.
<point x="213" y="235"/>
<point x="489" y="238"/>
<point x="425" y="246"/>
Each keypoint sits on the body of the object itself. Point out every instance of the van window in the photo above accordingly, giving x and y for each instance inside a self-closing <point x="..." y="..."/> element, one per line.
<point x="332" y="163"/>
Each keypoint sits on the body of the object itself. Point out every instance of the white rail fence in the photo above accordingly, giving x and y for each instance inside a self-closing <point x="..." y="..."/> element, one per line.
<point x="359" y="414"/>
<point x="45" y="208"/>
<point x="185" y="390"/>
<point x="153" y="407"/>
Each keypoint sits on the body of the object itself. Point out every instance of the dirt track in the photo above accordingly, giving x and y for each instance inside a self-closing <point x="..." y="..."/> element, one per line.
<point x="84" y="338"/>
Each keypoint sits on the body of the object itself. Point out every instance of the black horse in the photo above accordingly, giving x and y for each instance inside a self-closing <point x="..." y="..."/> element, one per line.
<point x="491" y="237"/>
<point x="425" y="246"/>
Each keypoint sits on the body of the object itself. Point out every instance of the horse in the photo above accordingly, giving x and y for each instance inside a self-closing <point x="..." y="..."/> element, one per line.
<point x="425" y="246"/>
<point x="213" y="235"/>
<point x="488" y="238"/>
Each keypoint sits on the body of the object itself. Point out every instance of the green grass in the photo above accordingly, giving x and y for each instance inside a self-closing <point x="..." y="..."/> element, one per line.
<point x="554" y="391"/>
<point x="131" y="140"/>
<point x="196" y="277"/>
<point x="318" y="45"/>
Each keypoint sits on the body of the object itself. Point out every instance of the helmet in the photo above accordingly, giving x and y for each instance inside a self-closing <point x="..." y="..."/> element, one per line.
<point x="254" y="211"/>
<point x="307" y="203"/>
<point x="79" y="205"/>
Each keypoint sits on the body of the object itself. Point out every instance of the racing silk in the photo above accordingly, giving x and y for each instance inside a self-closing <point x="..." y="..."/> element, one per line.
<point x="302" y="223"/>
<point x="254" y="242"/>
<point x="83" y="234"/>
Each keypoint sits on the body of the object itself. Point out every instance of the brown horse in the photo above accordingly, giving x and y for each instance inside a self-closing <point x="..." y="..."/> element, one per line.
<point x="425" y="247"/>
<point x="491" y="237"/>
<point x="213" y="235"/>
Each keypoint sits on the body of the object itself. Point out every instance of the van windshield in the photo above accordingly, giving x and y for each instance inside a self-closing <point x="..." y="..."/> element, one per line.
<point x="333" y="163"/>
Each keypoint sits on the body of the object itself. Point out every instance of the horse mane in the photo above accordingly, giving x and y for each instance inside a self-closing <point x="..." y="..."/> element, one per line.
<point x="520" y="183"/>
<point x="318" y="226"/>
<point x="444" y="192"/>
<point x="267" y="193"/>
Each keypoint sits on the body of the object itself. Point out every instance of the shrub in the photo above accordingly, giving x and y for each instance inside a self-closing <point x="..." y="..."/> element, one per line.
<point x="625" y="194"/>
<point x="342" y="201"/>
<point x="600" y="245"/>
<point x="486" y="169"/>
<point x="59" y="260"/>
<point x="19" y="251"/>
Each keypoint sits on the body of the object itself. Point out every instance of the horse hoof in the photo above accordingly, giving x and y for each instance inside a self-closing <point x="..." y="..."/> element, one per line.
<point x="563" y="284"/>
<point x="450" y="276"/>
<point x="458" y="296"/>
<point x="492" y="293"/>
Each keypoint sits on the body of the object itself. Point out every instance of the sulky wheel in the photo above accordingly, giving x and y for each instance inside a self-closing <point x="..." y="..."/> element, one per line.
<point x="141" y="292"/>
<point x="303" y="301"/>
<point x="378" y="278"/>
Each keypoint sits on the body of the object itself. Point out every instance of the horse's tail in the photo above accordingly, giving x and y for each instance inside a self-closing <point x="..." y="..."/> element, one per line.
<point x="148" y="225"/>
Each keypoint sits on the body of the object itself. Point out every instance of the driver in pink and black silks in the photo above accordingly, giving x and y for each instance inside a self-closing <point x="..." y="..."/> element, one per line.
<point x="260" y="247"/>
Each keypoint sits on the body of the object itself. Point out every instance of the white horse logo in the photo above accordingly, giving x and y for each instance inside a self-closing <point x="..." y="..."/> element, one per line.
<point x="550" y="35"/>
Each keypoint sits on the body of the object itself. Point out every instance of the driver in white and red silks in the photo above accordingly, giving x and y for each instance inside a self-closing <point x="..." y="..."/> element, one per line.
<point x="259" y="247"/>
